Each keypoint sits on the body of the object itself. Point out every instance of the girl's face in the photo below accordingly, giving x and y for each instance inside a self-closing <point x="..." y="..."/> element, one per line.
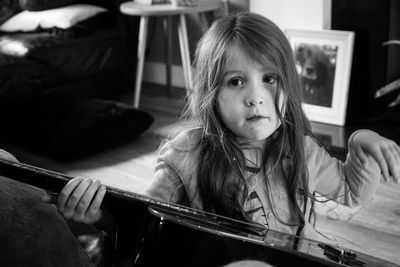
<point x="246" y="98"/>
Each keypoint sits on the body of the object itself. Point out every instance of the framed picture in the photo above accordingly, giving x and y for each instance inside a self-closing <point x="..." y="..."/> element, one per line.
<point x="323" y="60"/>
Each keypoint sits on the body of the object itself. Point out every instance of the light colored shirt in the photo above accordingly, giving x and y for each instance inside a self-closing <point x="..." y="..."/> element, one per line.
<point x="349" y="183"/>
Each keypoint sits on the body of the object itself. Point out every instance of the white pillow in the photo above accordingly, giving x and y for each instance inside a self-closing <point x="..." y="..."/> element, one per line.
<point x="62" y="17"/>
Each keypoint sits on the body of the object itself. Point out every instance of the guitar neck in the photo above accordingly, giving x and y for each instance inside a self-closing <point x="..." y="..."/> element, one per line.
<point x="42" y="178"/>
<point x="55" y="182"/>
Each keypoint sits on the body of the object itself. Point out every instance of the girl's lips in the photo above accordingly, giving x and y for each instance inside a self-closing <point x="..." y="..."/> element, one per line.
<point x="255" y="118"/>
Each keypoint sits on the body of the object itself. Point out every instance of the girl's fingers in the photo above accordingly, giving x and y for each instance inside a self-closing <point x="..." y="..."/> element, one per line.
<point x="361" y="156"/>
<point x="66" y="192"/>
<point x="87" y="197"/>
<point x="75" y="197"/>
<point x="384" y="151"/>
<point x="397" y="148"/>
<point x="381" y="159"/>
<point x="96" y="203"/>
<point x="394" y="163"/>
<point x="396" y="152"/>
<point x="353" y="153"/>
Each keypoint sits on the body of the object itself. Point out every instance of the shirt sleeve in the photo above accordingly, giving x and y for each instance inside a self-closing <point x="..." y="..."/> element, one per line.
<point x="349" y="183"/>
<point x="166" y="184"/>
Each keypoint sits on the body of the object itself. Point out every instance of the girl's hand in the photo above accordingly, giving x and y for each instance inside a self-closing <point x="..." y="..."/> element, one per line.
<point x="385" y="152"/>
<point x="80" y="200"/>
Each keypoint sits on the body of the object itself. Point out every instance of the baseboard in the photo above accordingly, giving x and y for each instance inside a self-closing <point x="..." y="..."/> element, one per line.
<point x="154" y="72"/>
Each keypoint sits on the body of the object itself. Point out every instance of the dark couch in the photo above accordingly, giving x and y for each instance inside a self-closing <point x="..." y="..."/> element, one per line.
<point x="56" y="90"/>
<point x="83" y="60"/>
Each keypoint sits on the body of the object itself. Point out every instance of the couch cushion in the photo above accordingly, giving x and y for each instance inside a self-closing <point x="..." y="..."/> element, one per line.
<point x="95" y="124"/>
<point x="63" y="17"/>
<point x="61" y="57"/>
<point x="8" y="8"/>
<point x="36" y="5"/>
<point x="103" y="49"/>
<point x="19" y="83"/>
<point x="74" y="129"/>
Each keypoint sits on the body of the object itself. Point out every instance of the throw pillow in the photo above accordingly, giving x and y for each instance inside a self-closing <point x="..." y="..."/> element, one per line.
<point x="63" y="18"/>
<point x="37" y="5"/>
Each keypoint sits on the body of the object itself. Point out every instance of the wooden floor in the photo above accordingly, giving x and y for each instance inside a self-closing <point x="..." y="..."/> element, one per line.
<point x="373" y="229"/>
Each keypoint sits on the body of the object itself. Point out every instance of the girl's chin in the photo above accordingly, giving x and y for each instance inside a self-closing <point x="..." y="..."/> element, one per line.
<point x="258" y="136"/>
<point x="254" y="138"/>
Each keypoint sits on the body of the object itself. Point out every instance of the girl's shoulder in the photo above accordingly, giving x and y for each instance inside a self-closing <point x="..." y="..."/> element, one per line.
<point x="187" y="139"/>
<point x="312" y="144"/>
<point x="180" y="152"/>
<point x="315" y="150"/>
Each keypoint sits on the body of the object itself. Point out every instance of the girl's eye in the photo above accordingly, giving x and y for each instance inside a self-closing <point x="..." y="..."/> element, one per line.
<point x="269" y="79"/>
<point x="236" y="82"/>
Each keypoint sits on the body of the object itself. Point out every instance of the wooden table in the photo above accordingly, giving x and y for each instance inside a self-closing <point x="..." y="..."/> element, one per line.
<point x="130" y="8"/>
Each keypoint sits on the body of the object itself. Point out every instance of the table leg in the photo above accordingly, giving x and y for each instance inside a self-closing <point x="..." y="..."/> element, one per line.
<point x="144" y="20"/>
<point x="168" y="50"/>
<point x="185" y="54"/>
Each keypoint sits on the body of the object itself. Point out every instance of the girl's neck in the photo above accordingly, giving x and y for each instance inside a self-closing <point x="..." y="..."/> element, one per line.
<point x="252" y="155"/>
<point x="251" y="144"/>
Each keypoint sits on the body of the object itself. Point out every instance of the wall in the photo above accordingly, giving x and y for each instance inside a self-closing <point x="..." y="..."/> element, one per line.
<point x="154" y="68"/>
<point x="289" y="14"/>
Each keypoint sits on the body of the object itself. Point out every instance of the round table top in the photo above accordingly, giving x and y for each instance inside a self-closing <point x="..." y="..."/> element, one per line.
<point x="133" y="9"/>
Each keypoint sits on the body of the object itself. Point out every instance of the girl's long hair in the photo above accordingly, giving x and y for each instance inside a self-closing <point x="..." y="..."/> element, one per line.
<point x="221" y="163"/>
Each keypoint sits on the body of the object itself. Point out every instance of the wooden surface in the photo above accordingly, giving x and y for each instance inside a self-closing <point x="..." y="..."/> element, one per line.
<point x="133" y="9"/>
<point x="372" y="229"/>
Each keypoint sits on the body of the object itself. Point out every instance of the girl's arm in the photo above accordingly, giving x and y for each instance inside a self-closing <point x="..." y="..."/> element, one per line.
<point x="355" y="181"/>
<point x="349" y="183"/>
<point x="385" y="152"/>
<point x="166" y="185"/>
<point x="174" y="169"/>
<point x="79" y="200"/>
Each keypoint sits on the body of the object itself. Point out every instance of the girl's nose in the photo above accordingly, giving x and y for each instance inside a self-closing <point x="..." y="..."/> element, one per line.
<point x="255" y="93"/>
<point x="254" y="101"/>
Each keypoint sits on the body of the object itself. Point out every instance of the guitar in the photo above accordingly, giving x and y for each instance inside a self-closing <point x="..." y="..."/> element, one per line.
<point x="177" y="235"/>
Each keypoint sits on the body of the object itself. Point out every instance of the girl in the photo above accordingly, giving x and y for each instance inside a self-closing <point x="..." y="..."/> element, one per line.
<point x="252" y="155"/>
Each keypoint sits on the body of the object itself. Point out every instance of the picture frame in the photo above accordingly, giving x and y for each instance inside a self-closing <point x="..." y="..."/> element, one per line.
<point x="323" y="60"/>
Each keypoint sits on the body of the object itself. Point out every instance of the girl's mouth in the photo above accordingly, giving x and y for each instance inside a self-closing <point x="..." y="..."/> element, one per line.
<point x="255" y="118"/>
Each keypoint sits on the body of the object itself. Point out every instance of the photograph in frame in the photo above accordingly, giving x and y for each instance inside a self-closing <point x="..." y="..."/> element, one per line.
<point x="323" y="60"/>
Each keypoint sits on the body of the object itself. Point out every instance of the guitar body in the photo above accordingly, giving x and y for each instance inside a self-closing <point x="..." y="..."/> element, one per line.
<point x="172" y="237"/>
<point x="154" y="233"/>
